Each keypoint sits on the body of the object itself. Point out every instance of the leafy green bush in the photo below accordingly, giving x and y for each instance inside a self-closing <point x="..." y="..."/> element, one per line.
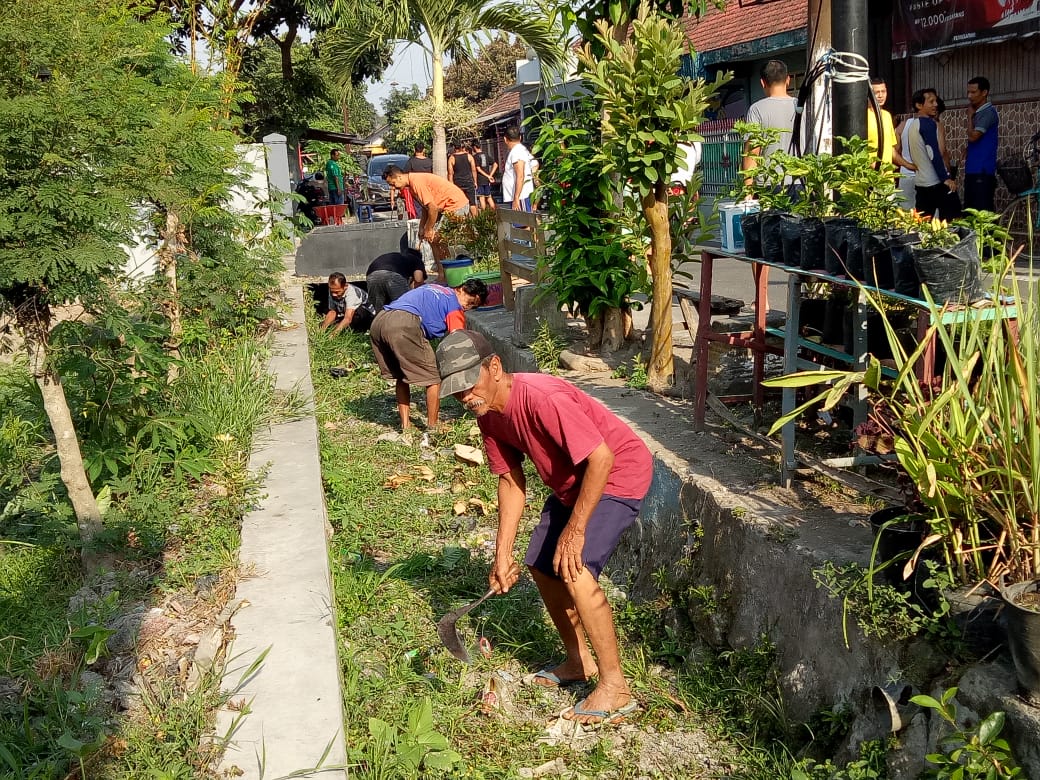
<point x="590" y="263"/>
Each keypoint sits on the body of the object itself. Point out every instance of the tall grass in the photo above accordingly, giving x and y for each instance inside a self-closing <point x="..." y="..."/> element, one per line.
<point x="970" y="439"/>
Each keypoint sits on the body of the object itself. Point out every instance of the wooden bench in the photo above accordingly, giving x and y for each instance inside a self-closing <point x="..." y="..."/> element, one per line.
<point x="690" y="301"/>
<point x="521" y="241"/>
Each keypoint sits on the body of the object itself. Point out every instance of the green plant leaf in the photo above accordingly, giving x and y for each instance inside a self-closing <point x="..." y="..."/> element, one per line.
<point x="924" y="700"/>
<point x="991" y="727"/>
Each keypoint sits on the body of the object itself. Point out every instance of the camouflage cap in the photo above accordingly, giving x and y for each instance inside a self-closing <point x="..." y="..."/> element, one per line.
<point x="459" y="357"/>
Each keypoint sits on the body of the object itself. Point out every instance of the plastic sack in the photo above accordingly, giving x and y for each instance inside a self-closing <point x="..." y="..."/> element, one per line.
<point x="954" y="274"/>
<point x="904" y="274"/>
<point x="876" y="269"/>
<point x="813" y="244"/>
<point x="841" y="233"/>
<point x="751" y="225"/>
<point x="772" y="246"/>
<point x="427" y="257"/>
<point x="791" y="238"/>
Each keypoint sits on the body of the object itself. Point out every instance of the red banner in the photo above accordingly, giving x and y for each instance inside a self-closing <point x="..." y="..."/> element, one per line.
<point x="927" y="25"/>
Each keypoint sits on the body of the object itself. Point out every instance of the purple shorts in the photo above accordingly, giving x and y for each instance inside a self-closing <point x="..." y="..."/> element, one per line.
<point x="609" y="520"/>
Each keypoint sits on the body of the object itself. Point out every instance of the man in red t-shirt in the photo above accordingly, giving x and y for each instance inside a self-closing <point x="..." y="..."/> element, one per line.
<point x="599" y="472"/>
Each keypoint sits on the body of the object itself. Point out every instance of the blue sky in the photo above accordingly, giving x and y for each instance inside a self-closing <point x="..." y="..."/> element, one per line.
<point x="409" y="67"/>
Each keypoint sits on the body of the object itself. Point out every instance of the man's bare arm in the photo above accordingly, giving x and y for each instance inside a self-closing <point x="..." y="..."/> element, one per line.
<point x="512" y="496"/>
<point x="567" y="562"/>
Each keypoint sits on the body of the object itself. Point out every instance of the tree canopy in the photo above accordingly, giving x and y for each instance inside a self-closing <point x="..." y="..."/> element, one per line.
<point x="482" y="77"/>
<point x="443" y="28"/>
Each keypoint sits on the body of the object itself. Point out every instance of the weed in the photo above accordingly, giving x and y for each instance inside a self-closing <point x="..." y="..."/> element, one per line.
<point x="869" y="766"/>
<point x="881" y="610"/>
<point x="969" y="754"/>
<point x="407" y="752"/>
<point x="638" y="378"/>
<point x="703" y="598"/>
<point x="547" y="346"/>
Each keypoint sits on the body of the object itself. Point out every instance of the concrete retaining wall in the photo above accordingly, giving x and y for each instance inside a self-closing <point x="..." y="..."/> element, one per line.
<point x="348" y="248"/>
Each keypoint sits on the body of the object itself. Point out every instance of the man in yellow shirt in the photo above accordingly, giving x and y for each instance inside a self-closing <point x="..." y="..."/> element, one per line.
<point x="888" y="150"/>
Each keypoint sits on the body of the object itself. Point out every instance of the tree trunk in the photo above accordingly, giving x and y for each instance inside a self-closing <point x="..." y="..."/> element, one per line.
<point x="172" y="247"/>
<point x="440" y="141"/>
<point x="606" y="331"/>
<point x="660" y="373"/>
<point x="33" y="319"/>
<point x="285" y="48"/>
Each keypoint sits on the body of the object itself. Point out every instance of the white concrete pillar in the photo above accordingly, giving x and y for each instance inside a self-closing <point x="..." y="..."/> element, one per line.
<point x="278" y="181"/>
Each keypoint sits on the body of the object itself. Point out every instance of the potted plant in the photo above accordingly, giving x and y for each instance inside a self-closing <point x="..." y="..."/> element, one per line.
<point x="970" y="444"/>
<point x="867" y="193"/>
<point x="815" y="173"/>
<point x="947" y="261"/>
<point x="763" y="182"/>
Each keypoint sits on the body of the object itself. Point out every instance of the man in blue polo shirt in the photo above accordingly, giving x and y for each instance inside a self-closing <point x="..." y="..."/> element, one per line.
<point x="401" y="335"/>
<point x="980" y="159"/>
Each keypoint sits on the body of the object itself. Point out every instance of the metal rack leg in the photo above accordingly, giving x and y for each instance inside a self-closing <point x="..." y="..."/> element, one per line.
<point x="787" y="459"/>
<point x="700" y="393"/>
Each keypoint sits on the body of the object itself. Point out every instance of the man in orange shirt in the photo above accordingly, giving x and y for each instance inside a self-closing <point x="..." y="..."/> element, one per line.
<point x="437" y="195"/>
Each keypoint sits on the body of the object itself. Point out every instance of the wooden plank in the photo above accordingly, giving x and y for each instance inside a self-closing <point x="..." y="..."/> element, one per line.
<point x="857" y="482"/>
<point x="720" y="304"/>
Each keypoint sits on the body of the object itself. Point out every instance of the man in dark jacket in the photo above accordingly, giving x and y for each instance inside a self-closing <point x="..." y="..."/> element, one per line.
<point x="392" y="274"/>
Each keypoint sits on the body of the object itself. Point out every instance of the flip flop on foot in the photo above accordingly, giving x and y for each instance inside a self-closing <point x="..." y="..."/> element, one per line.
<point x="547" y="678"/>
<point x="605" y="718"/>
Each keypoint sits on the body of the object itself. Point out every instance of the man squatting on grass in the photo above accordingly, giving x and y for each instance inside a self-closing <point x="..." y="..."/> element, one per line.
<point x="400" y="336"/>
<point x="345" y="300"/>
<point x="599" y="472"/>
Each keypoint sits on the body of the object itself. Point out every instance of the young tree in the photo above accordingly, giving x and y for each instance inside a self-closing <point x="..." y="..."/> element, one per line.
<point x="97" y="118"/>
<point x="482" y="77"/>
<point x="441" y="28"/>
<point x="287" y="106"/>
<point x="649" y="109"/>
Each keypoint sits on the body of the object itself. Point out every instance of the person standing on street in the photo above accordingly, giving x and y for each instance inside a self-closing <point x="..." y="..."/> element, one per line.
<point x="517" y="173"/>
<point x="462" y="172"/>
<point x="980" y="157"/>
<point x="419" y="162"/>
<point x="932" y="182"/>
<point x="599" y="471"/>
<point x="776" y="110"/>
<point x="334" y="179"/>
<point x="486" y="169"/>
<point x="890" y="152"/>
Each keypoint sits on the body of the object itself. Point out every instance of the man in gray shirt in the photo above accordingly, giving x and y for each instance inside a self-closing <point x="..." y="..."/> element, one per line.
<point x="775" y="110"/>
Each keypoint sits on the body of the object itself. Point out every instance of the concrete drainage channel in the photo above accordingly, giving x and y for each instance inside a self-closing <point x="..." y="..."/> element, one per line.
<point x="285" y="633"/>
<point x="707" y="521"/>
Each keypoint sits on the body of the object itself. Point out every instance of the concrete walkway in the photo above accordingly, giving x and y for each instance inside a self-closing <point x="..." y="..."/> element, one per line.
<point x="294" y="702"/>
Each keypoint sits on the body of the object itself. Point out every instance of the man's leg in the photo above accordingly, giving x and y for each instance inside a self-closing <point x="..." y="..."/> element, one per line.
<point x="597" y="621"/>
<point x="433" y="405"/>
<point x="558" y="602"/>
<point x="403" y="393"/>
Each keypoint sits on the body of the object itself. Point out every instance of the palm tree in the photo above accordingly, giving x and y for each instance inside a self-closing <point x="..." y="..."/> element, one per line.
<point x="440" y="27"/>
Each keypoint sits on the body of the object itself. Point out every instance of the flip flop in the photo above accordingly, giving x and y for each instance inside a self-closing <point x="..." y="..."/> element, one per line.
<point x="606" y="718"/>
<point x="554" y="679"/>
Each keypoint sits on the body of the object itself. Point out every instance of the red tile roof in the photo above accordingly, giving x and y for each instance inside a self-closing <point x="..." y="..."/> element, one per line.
<point x="506" y="103"/>
<point x="718" y="29"/>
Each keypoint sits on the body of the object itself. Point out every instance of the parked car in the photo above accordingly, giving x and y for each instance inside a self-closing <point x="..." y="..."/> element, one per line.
<point x="375" y="192"/>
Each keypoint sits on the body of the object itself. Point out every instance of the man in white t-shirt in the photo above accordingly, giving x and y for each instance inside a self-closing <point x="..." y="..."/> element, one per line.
<point x="517" y="173"/>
